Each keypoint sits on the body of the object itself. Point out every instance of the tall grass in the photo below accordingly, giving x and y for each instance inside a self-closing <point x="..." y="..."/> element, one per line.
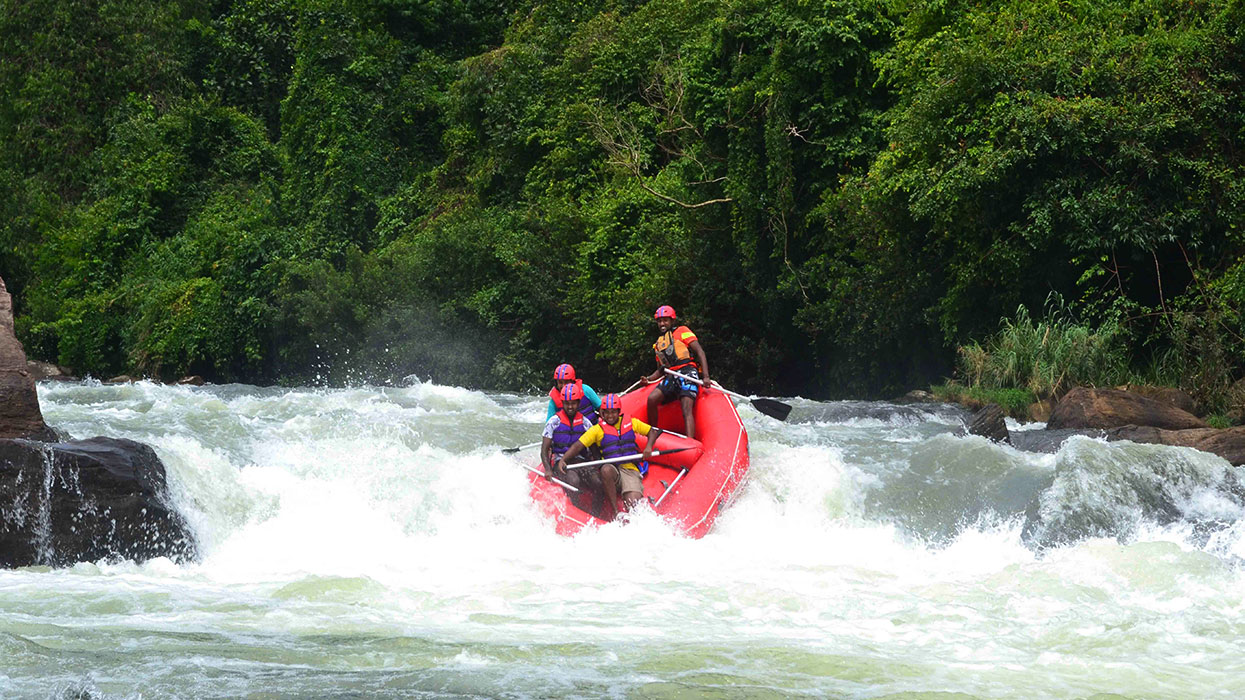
<point x="1048" y="356"/>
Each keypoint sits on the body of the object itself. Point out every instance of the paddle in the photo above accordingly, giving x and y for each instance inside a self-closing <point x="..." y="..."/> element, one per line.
<point x="628" y="390"/>
<point x="512" y="450"/>
<point x="770" y="407"/>
<point x="559" y="482"/>
<point x="624" y="458"/>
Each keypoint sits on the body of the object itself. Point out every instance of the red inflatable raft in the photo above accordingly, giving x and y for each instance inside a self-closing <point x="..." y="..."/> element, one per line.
<point x="716" y="465"/>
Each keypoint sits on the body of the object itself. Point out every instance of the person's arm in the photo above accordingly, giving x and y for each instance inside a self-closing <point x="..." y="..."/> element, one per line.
<point x="546" y="456"/>
<point x="592" y="396"/>
<point x="701" y="360"/>
<point x="574" y="449"/>
<point x="656" y="376"/>
<point x="651" y="432"/>
<point x="551" y="410"/>
<point x="546" y="446"/>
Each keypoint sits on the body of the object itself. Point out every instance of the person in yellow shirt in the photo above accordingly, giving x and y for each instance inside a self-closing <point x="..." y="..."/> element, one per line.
<point x="615" y="434"/>
<point x="677" y="350"/>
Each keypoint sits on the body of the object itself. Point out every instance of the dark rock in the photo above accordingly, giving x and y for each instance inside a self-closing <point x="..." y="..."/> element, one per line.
<point x="20" y="416"/>
<point x="989" y="422"/>
<point x="1049" y="441"/>
<point x="1112" y="408"/>
<point x="86" y="500"/>
<point x="1228" y="443"/>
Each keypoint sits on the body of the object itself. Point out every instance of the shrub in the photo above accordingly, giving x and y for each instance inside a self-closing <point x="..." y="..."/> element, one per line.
<point x="1014" y="402"/>
<point x="1046" y="357"/>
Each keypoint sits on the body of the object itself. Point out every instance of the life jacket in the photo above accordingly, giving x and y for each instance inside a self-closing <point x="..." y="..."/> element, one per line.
<point x="586" y="409"/>
<point x="673" y="353"/>
<point x="567" y="432"/>
<point x="616" y="443"/>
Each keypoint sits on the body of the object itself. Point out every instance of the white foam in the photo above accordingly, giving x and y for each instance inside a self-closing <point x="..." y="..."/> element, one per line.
<point x="383" y="513"/>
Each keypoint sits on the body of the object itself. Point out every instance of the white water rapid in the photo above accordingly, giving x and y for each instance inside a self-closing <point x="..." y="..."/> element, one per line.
<point x="373" y="542"/>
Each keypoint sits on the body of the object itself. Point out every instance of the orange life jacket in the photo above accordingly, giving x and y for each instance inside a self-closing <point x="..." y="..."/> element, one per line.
<point x="673" y="353"/>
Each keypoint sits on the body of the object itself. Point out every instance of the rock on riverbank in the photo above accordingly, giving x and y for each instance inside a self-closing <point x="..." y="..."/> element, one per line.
<point x="85" y="500"/>
<point x="1114" y="414"/>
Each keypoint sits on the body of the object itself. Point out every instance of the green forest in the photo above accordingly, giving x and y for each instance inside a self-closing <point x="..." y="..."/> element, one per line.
<point x="841" y="197"/>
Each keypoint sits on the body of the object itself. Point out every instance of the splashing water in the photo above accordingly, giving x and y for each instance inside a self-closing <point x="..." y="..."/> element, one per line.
<point x="374" y="541"/>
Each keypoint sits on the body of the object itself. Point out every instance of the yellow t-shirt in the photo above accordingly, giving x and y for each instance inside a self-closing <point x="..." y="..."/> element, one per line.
<point x="595" y="433"/>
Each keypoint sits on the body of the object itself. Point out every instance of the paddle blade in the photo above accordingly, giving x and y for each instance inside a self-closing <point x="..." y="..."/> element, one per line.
<point x="772" y="408"/>
<point x="512" y="450"/>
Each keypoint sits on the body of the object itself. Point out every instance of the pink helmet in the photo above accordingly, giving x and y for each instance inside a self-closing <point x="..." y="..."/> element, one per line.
<point x="664" y="312"/>
<point x="564" y="371"/>
<point x="611" y="401"/>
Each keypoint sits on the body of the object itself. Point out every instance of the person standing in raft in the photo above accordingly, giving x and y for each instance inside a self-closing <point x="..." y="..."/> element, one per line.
<point x="677" y="350"/>
<point x="615" y="435"/>
<point x="563" y="375"/>
<point x="568" y="424"/>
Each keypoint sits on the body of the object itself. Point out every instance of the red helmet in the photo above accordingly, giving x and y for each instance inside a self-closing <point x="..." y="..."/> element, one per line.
<point x="664" y="312"/>
<point x="611" y="401"/>
<point x="564" y="371"/>
<point x="569" y="399"/>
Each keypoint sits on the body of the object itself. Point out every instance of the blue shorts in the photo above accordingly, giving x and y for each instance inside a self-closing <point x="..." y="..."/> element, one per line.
<point x="673" y="387"/>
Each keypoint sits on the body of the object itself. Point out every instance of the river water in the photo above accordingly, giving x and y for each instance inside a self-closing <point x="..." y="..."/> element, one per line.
<point x="374" y="542"/>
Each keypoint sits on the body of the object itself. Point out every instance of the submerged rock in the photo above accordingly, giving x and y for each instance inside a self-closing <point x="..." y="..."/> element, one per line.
<point x="86" y="500"/>
<point x="989" y="422"/>
<point x="1112" y="408"/>
<point x="1110" y="491"/>
<point x="1049" y="441"/>
<point x="1228" y="443"/>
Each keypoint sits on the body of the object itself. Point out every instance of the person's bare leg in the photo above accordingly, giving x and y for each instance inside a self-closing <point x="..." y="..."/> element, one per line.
<point x="573" y="478"/>
<point x="630" y="498"/>
<point x="610" y="484"/>
<point x="595" y="490"/>
<point x="655" y="397"/>
<point x="689" y="420"/>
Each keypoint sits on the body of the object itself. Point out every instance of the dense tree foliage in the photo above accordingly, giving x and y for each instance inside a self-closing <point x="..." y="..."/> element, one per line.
<point x="835" y="194"/>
